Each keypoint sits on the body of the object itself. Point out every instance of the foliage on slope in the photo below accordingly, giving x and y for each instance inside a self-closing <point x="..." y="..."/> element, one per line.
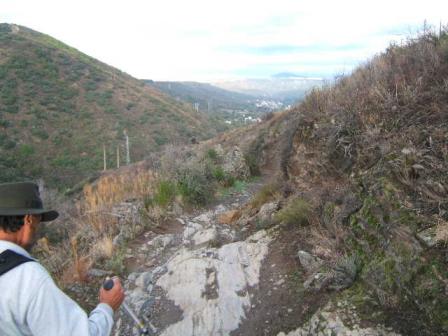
<point x="58" y="107"/>
<point x="370" y="154"/>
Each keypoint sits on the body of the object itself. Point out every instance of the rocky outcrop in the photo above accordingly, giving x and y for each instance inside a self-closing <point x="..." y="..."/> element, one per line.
<point x="309" y="262"/>
<point x="235" y="165"/>
<point x="267" y="211"/>
<point x="211" y="286"/>
<point x="129" y="218"/>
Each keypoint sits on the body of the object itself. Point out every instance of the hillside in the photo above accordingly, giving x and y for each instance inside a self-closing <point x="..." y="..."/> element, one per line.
<point x="367" y="160"/>
<point x="327" y="219"/>
<point x="222" y="105"/>
<point x="58" y="107"/>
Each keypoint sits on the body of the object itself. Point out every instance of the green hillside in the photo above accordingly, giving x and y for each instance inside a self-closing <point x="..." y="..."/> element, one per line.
<point x="58" y="107"/>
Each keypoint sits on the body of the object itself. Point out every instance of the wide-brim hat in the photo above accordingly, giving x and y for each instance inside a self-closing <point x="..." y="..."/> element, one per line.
<point x="19" y="199"/>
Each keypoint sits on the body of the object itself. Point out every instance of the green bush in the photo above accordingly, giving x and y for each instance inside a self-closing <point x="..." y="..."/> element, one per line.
<point x="110" y="110"/>
<point x="65" y="161"/>
<point x="239" y="186"/>
<point x="11" y="109"/>
<point x="40" y="133"/>
<point x="26" y="150"/>
<point x="223" y="178"/>
<point x="4" y="123"/>
<point x="160" y="139"/>
<point x="9" y="144"/>
<point x="194" y="187"/>
<point x="297" y="212"/>
<point x="219" y="174"/>
<point x="165" y="193"/>
<point x="212" y="154"/>
<point x="90" y="86"/>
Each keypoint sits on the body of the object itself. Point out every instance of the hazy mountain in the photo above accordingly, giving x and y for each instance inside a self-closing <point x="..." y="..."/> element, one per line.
<point x="208" y="96"/>
<point x="286" y="87"/>
<point x="58" y="107"/>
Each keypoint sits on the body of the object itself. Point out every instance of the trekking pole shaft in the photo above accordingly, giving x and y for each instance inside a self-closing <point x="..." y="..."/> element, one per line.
<point x="108" y="285"/>
<point x="132" y="315"/>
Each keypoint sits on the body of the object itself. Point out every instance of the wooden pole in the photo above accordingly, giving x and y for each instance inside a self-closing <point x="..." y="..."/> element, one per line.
<point x="118" y="156"/>
<point x="104" y="158"/>
<point x="128" y="156"/>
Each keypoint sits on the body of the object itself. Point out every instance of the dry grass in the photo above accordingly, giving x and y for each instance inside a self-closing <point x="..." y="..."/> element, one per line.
<point x="77" y="269"/>
<point x="104" y="248"/>
<point x="114" y="188"/>
<point x="393" y="104"/>
<point x="297" y="212"/>
<point x="389" y="87"/>
<point x="267" y="193"/>
<point x="442" y="232"/>
<point x="328" y="242"/>
<point x="83" y="235"/>
<point x="96" y="207"/>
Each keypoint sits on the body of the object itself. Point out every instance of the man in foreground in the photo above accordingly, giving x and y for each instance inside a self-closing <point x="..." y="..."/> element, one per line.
<point x="30" y="302"/>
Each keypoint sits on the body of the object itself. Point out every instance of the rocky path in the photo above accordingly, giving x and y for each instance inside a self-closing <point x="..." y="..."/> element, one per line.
<point x="197" y="276"/>
<point x="198" y="279"/>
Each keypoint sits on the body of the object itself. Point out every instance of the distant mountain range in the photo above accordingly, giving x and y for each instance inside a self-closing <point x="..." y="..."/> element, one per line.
<point x="289" y="88"/>
<point x="208" y="96"/>
<point x="294" y="75"/>
<point x="59" y="107"/>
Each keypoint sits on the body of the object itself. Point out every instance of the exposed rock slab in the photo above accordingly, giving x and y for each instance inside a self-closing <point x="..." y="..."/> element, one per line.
<point x="227" y="273"/>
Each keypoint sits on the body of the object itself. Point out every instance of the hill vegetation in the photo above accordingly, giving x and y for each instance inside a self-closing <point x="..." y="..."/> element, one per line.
<point x="59" y="107"/>
<point x="369" y="154"/>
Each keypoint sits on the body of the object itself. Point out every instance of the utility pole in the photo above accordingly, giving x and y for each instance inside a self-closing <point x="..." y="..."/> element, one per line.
<point x="118" y="156"/>
<point x="128" y="157"/>
<point x="104" y="158"/>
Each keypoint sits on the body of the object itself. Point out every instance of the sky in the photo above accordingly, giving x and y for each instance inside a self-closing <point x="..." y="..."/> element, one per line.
<point x="210" y="40"/>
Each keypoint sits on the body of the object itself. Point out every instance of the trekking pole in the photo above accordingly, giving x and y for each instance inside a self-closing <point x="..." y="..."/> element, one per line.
<point x="108" y="285"/>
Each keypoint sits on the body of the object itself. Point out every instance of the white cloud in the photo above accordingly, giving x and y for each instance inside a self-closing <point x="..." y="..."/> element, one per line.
<point x="181" y="40"/>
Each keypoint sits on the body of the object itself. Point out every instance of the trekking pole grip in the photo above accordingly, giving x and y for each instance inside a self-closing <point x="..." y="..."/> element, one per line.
<point x="108" y="284"/>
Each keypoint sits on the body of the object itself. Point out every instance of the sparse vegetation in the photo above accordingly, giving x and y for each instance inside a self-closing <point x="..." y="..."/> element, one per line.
<point x="369" y="152"/>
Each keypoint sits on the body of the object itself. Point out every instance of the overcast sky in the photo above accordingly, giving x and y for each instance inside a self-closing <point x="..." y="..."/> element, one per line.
<point x="207" y="40"/>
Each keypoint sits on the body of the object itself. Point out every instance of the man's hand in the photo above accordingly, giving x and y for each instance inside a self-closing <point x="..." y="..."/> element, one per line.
<point x="114" y="296"/>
